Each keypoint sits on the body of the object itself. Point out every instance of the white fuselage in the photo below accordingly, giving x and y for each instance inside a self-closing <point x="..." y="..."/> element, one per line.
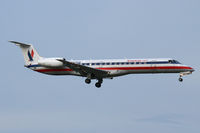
<point x="119" y="67"/>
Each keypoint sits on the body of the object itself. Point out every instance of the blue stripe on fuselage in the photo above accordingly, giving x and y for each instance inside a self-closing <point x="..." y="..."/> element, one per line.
<point x="29" y="66"/>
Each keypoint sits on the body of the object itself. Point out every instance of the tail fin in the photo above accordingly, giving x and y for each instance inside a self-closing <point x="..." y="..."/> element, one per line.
<point x="30" y="54"/>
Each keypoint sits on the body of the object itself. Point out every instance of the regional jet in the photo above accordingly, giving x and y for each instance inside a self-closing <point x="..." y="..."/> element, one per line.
<point x="100" y="69"/>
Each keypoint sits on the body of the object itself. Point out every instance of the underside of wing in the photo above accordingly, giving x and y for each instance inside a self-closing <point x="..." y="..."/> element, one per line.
<point x="84" y="70"/>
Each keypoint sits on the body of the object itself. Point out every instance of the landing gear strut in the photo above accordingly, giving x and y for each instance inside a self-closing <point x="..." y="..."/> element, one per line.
<point x="180" y="78"/>
<point x="98" y="84"/>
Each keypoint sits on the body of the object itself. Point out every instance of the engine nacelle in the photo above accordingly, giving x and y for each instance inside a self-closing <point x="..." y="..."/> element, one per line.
<point x="51" y="62"/>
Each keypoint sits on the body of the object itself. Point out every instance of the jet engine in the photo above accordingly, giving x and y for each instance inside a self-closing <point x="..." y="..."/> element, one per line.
<point x="51" y="62"/>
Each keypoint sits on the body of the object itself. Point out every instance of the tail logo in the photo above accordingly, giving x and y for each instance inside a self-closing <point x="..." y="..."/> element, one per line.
<point x="31" y="55"/>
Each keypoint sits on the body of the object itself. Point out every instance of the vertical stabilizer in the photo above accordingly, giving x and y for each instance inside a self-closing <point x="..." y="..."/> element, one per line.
<point x="30" y="54"/>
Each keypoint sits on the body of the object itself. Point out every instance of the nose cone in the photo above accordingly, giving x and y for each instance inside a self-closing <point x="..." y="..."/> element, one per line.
<point x="191" y="69"/>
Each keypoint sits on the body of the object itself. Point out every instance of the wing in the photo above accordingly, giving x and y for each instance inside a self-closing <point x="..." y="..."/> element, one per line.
<point x="84" y="70"/>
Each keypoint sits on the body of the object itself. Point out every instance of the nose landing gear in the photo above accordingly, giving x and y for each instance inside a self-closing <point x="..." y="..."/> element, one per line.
<point x="180" y="79"/>
<point x="182" y="74"/>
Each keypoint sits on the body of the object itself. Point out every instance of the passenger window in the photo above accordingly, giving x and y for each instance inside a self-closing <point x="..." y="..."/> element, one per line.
<point x="107" y="63"/>
<point x="113" y="63"/>
<point x="93" y="64"/>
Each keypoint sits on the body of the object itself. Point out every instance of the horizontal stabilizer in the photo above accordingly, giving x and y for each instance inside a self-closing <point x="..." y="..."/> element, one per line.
<point x="20" y="44"/>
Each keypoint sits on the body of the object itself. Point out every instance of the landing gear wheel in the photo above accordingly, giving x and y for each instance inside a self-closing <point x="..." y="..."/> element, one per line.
<point x="180" y="79"/>
<point x="87" y="81"/>
<point x="98" y="85"/>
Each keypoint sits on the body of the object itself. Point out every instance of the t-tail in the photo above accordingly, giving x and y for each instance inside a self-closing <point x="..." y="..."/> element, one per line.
<point x="31" y="56"/>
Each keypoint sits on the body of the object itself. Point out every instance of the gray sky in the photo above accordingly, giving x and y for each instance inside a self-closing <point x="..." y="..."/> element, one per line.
<point x="91" y="29"/>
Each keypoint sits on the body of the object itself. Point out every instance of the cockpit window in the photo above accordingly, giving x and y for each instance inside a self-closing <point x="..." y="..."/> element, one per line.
<point x="177" y="62"/>
<point x="170" y="61"/>
<point x="174" y="62"/>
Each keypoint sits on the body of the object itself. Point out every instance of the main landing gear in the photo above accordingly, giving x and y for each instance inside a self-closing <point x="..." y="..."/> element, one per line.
<point x="87" y="81"/>
<point x="98" y="84"/>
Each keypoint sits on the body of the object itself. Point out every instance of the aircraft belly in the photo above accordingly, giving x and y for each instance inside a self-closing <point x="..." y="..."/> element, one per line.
<point x="60" y="72"/>
<point x="114" y="73"/>
<point x="124" y="72"/>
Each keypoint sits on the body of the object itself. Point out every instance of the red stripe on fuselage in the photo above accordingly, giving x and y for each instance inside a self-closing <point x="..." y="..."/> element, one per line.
<point x="120" y="68"/>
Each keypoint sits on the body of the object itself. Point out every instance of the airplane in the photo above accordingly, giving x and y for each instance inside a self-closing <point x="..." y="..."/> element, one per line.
<point x="99" y="69"/>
